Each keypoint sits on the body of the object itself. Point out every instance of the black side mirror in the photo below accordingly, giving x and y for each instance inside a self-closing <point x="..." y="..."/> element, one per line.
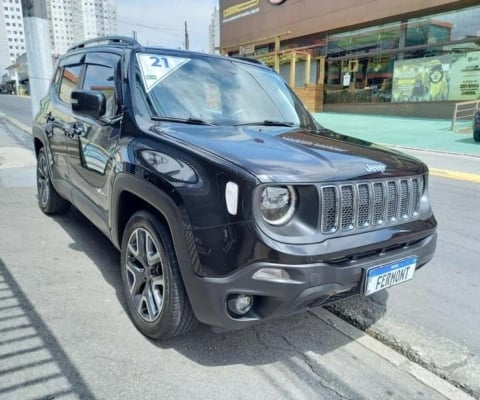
<point x="89" y="102"/>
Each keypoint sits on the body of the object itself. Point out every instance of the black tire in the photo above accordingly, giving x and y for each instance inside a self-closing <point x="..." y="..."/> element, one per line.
<point x="476" y="135"/>
<point x="158" y="310"/>
<point x="49" y="201"/>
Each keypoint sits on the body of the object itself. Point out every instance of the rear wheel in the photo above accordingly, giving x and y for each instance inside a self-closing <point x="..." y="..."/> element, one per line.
<point x="49" y="200"/>
<point x="476" y="135"/>
<point x="156" y="298"/>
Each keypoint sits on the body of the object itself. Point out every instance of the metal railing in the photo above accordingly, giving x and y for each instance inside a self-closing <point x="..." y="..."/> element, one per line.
<point x="464" y="111"/>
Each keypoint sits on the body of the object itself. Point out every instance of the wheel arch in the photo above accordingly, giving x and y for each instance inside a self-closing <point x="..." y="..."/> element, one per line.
<point x="38" y="144"/>
<point x="131" y="194"/>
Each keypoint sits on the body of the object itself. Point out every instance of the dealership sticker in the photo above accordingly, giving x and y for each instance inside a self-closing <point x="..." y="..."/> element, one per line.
<point x="155" y="68"/>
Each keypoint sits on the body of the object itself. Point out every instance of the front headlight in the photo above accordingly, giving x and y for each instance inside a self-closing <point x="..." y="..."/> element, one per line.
<point x="277" y="204"/>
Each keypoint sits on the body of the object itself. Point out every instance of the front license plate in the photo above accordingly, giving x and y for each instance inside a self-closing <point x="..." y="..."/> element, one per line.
<point x="382" y="277"/>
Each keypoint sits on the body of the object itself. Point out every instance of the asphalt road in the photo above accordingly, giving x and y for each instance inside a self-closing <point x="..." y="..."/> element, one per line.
<point x="64" y="331"/>
<point x="17" y="107"/>
<point x="431" y="318"/>
<point x="434" y="318"/>
<point x="444" y="297"/>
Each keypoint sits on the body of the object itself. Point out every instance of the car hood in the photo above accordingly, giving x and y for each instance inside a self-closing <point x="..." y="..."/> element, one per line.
<point x="293" y="155"/>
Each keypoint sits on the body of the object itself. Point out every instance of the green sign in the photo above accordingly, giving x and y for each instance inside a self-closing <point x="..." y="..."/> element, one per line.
<point x="449" y="77"/>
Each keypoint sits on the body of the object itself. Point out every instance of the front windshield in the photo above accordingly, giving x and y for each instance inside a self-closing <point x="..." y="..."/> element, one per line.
<point x="216" y="91"/>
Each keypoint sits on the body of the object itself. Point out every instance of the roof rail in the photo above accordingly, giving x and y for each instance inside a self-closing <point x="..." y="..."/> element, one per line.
<point x="115" y="40"/>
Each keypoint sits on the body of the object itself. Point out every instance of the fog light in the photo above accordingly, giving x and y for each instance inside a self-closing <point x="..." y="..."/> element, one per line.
<point x="240" y="304"/>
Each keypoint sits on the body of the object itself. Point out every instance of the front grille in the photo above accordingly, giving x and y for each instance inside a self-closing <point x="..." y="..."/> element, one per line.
<point x="372" y="204"/>
<point x="329" y="209"/>
<point x="347" y="208"/>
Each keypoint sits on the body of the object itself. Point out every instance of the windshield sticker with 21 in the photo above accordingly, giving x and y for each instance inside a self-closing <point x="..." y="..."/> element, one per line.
<point x="155" y="67"/>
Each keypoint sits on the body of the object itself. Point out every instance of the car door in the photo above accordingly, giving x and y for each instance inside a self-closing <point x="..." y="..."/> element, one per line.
<point x="91" y="142"/>
<point x="57" y="116"/>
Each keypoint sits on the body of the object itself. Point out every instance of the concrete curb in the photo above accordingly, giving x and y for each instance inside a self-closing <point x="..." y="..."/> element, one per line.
<point x="430" y="150"/>
<point x="403" y="363"/>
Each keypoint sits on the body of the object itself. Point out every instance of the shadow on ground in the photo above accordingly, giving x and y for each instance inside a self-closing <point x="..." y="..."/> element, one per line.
<point x="32" y="362"/>
<point x="468" y="140"/>
<point x="253" y="346"/>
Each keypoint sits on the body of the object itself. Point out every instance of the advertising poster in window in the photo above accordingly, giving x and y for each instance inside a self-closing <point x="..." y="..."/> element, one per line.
<point x="465" y="77"/>
<point x="449" y="77"/>
<point x="421" y="79"/>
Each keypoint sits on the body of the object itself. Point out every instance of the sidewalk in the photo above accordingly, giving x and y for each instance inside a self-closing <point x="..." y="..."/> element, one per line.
<point x="414" y="133"/>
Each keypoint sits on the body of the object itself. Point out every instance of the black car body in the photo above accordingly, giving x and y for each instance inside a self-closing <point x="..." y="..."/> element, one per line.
<point x="476" y="126"/>
<point x="229" y="203"/>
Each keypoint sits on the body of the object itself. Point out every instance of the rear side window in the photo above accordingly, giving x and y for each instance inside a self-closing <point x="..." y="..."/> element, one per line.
<point x="70" y="80"/>
<point x="101" y="78"/>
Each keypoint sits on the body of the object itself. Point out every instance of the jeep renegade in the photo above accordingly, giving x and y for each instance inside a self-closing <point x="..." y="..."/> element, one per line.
<point x="229" y="203"/>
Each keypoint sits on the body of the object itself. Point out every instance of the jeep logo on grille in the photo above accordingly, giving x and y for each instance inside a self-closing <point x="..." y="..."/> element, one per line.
<point x="375" y="167"/>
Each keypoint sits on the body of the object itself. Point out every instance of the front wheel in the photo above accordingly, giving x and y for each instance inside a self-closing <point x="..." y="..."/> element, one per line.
<point x="49" y="200"/>
<point x="156" y="298"/>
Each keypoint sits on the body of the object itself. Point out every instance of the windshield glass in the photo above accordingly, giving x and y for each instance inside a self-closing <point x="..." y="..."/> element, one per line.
<point x="215" y="91"/>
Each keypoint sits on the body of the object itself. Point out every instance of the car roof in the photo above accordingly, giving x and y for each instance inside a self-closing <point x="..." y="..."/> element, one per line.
<point x="119" y="43"/>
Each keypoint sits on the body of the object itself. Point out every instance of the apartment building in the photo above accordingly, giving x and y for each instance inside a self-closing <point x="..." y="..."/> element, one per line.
<point x="70" y="21"/>
<point x="12" y="40"/>
<point x="214" y="32"/>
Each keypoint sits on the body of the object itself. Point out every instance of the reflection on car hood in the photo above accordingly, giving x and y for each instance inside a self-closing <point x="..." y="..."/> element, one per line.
<point x="282" y="154"/>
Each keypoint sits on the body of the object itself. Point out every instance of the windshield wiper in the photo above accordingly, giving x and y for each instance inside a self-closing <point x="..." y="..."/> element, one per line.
<point x="192" y="121"/>
<point x="267" y="122"/>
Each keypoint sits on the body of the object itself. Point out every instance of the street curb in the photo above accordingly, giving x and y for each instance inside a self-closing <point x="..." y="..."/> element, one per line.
<point x="25" y="128"/>
<point x="396" y="146"/>
<point x="398" y="360"/>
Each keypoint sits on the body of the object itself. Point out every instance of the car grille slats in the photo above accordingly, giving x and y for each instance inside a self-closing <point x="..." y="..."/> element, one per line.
<point x="404" y="197"/>
<point x="392" y="202"/>
<point x="369" y="205"/>
<point x="347" y="202"/>
<point x="378" y="203"/>
<point x="329" y="209"/>
<point x="363" y="212"/>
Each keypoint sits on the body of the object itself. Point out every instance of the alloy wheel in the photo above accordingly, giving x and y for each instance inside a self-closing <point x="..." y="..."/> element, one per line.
<point x="145" y="278"/>
<point x="43" y="181"/>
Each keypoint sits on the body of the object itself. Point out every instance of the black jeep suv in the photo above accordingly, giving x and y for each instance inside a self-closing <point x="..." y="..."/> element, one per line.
<point x="229" y="203"/>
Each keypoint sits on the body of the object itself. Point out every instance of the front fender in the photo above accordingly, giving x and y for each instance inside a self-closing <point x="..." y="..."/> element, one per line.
<point x="174" y="214"/>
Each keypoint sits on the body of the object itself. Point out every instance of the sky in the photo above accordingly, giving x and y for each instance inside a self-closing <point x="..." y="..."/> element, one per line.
<point x="161" y="22"/>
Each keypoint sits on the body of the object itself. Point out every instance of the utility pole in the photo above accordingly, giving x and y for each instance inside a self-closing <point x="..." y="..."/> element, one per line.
<point x="39" y="52"/>
<point x="187" y="44"/>
<point x="134" y="34"/>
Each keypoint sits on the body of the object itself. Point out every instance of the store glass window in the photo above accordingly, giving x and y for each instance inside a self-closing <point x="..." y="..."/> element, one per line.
<point x="430" y="58"/>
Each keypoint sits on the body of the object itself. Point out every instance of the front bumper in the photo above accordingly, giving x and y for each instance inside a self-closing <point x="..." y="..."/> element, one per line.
<point x="310" y="285"/>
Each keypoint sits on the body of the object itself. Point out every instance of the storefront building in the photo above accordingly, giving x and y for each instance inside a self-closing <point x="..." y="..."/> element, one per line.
<point x="415" y="57"/>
